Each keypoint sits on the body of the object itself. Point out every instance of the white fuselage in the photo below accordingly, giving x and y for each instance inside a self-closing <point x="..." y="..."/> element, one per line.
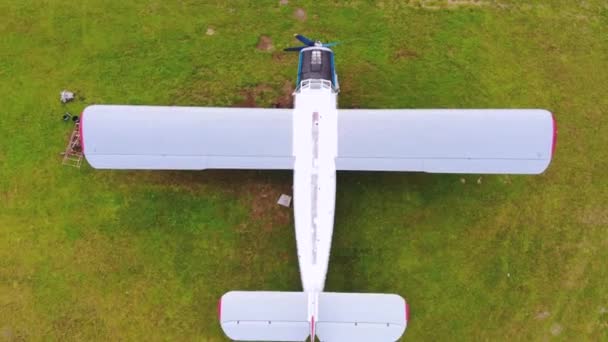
<point x="315" y="146"/>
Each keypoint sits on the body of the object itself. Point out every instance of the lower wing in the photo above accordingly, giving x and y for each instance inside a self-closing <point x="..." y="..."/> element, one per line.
<point x="186" y="138"/>
<point x="446" y="140"/>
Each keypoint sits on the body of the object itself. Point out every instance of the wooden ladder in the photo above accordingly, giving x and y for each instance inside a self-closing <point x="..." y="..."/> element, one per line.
<point x="73" y="152"/>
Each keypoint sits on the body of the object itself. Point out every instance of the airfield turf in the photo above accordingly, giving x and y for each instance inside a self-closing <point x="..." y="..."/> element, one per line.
<point x="106" y="255"/>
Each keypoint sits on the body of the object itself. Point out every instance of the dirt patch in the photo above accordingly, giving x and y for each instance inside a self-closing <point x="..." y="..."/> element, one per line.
<point x="286" y="98"/>
<point x="265" y="44"/>
<point x="210" y="31"/>
<point x="248" y="100"/>
<point x="300" y="14"/>
<point x="250" y="95"/>
<point x="466" y="3"/>
<point x="556" y="329"/>
<point x="594" y="217"/>
<point x="264" y="207"/>
<point x="437" y="5"/>
<point x="281" y="56"/>
<point x="283" y="2"/>
<point x="402" y="54"/>
<point x="7" y="333"/>
<point x="542" y="315"/>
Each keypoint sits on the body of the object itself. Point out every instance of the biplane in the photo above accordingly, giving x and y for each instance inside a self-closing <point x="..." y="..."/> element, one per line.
<point x="315" y="139"/>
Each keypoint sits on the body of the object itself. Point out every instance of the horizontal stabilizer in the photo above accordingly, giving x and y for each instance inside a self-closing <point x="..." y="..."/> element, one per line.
<point x="264" y="316"/>
<point x="361" y="317"/>
<point x="285" y="316"/>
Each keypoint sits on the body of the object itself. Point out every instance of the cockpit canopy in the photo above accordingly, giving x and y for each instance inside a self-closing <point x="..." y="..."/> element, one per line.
<point x="316" y="63"/>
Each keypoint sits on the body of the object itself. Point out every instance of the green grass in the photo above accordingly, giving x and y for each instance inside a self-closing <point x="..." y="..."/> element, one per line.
<point x="100" y="255"/>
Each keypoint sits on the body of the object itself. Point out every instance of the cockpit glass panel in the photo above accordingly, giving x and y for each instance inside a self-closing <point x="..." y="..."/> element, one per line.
<point x="316" y="57"/>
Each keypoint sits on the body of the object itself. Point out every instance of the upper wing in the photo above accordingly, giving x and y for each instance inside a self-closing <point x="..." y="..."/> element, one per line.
<point x="448" y="141"/>
<point x="195" y="138"/>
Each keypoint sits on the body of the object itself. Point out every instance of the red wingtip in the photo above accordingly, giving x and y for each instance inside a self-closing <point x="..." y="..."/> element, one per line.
<point x="554" y="142"/>
<point x="407" y="312"/>
<point x="219" y="310"/>
<point x="80" y="136"/>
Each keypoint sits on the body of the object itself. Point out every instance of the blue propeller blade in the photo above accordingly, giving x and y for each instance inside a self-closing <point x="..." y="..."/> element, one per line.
<point x="331" y="44"/>
<point x="295" y="48"/>
<point x="305" y="40"/>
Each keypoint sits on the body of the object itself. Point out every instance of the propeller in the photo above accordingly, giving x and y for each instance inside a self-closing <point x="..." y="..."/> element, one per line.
<point x="308" y="42"/>
<point x="294" y="48"/>
<point x="304" y="40"/>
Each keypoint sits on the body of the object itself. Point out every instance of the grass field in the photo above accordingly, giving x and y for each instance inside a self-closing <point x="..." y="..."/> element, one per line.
<point x="101" y="255"/>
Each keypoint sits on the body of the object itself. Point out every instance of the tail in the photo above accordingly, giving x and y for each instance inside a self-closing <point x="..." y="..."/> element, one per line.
<point x="289" y="316"/>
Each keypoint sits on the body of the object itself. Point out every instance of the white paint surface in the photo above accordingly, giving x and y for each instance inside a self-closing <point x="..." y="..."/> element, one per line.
<point x="315" y="145"/>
